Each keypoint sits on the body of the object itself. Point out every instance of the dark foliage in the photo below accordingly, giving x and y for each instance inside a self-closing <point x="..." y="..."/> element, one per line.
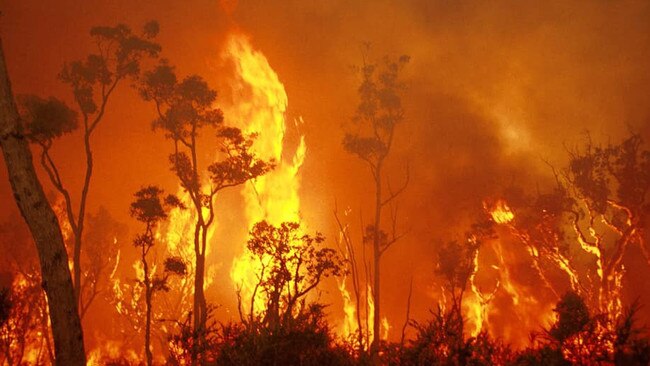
<point x="305" y="341"/>
<point x="5" y="305"/>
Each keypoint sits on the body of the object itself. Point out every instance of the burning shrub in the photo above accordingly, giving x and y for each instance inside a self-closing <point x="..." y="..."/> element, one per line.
<point x="183" y="347"/>
<point x="287" y="330"/>
<point x="24" y="336"/>
<point x="306" y="340"/>
<point x="441" y="341"/>
<point x="580" y="339"/>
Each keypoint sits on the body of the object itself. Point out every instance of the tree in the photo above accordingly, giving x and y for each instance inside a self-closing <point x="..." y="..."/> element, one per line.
<point x="356" y="271"/>
<point x="442" y="340"/>
<point x="43" y="224"/>
<point x="572" y="317"/>
<point x="27" y="331"/>
<point x="290" y="330"/>
<point x="93" y="81"/>
<point x="379" y="112"/>
<point x="579" y="338"/>
<point x="610" y="184"/>
<point x="100" y="253"/>
<point x="291" y="266"/>
<point x="598" y="207"/>
<point x="184" y="108"/>
<point x="21" y="331"/>
<point x="150" y="209"/>
<point x="594" y="213"/>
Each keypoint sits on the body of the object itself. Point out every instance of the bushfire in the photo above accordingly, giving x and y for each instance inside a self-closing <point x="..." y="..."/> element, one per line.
<point x="342" y="183"/>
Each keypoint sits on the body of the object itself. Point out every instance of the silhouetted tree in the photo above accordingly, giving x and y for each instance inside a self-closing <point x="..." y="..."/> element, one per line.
<point x="358" y="270"/>
<point x="44" y="227"/>
<point x="93" y="81"/>
<point x="455" y="263"/>
<point x="289" y="330"/>
<point x="632" y="346"/>
<point x="291" y="266"/>
<point x="442" y="339"/>
<point x="598" y="207"/>
<point x="150" y="209"/>
<point x="572" y="317"/>
<point x="379" y="112"/>
<point x="610" y="184"/>
<point x="579" y="338"/>
<point x="184" y="109"/>
<point x="183" y="347"/>
<point x="100" y="253"/>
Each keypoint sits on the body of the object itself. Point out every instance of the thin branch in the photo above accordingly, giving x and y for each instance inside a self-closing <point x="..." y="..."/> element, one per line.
<point x="395" y="194"/>
<point x="408" y="312"/>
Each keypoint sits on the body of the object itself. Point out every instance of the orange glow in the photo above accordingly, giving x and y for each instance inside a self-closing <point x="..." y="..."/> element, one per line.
<point x="489" y="139"/>
<point x="350" y="325"/>
<point x="274" y="196"/>
<point x="501" y="213"/>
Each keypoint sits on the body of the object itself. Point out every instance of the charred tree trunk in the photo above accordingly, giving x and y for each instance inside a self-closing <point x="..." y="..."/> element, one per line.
<point x="148" y="295"/>
<point x="199" y="311"/>
<point x="376" y="290"/>
<point x="199" y="297"/>
<point x="43" y="224"/>
<point x="78" y="234"/>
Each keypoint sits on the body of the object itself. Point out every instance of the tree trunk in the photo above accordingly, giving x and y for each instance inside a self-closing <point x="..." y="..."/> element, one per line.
<point x="76" y="267"/>
<point x="45" y="229"/>
<point x="376" y="290"/>
<point x="199" y="309"/>
<point x="148" y="295"/>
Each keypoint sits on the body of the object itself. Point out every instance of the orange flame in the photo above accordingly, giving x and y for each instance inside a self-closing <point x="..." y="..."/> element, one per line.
<point x="501" y="213"/>
<point x="274" y="196"/>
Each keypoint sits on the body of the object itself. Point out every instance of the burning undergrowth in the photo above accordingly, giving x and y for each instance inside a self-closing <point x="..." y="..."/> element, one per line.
<point x="231" y="268"/>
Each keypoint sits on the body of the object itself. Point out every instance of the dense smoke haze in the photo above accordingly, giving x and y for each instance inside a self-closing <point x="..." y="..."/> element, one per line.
<point x="497" y="93"/>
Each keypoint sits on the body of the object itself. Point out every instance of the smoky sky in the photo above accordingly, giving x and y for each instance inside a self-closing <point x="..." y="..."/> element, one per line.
<point x="494" y="90"/>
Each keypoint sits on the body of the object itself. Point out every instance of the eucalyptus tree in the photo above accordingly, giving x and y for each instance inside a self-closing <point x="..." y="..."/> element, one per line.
<point x="185" y="109"/>
<point x="371" y="137"/>
<point x="93" y="81"/>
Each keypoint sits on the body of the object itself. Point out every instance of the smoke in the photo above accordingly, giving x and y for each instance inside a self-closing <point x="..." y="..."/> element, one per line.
<point x="494" y="91"/>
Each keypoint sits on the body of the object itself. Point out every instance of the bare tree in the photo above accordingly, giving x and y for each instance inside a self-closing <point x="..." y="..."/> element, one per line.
<point x="356" y="270"/>
<point x="184" y="109"/>
<point x="93" y="81"/>
<point x="379" y="112"/>
<point x="43" y="224"/>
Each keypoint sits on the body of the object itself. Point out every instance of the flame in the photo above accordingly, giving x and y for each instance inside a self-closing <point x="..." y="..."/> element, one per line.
<point x="478" y="304"/>
<point x="385" y="327"/>
<point x="349" y="322"/>
<point x="526" y="308"/>
<point x="371" y="314"/>
<point x="274" y="196"/>
<point x="66" y="229"/>
<point x="501" y="213"/>
<point x="110" y="350"/>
